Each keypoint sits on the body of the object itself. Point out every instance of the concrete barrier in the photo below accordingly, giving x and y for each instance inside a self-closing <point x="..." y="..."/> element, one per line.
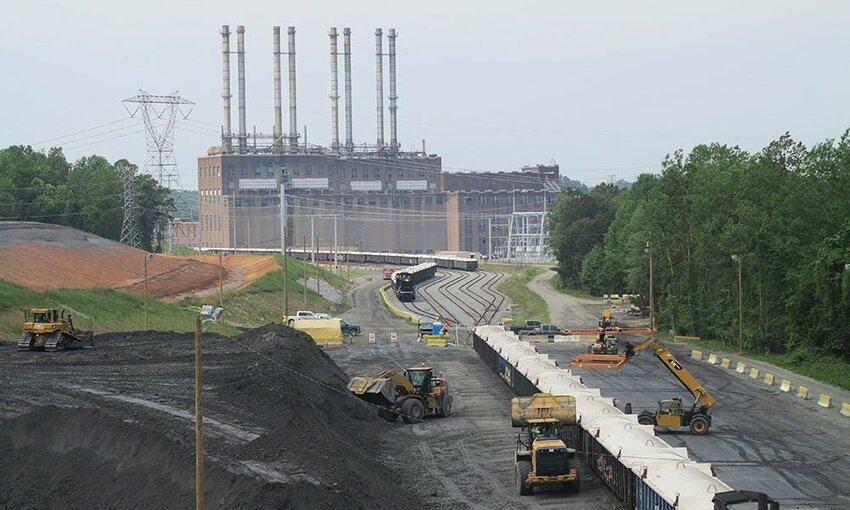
<point x="740" y="367"/>
<point x="845" y="409"/>
<point x="696" y="354"/>
<point x="785" y="385"/>
<point x="768" y="379"/>
<point x="685" y="338"/>
<point x="754" y="373"/>
<point x="803" y="392"/>
<point x="725" y="362"/>
<point x="436" y="340"/>
<point x="395" y="310"/>
<point x="712" y="358"/>
<point x="825" y="400"/>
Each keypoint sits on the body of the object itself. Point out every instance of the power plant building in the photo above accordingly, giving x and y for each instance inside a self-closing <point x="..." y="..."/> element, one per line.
<point x="364" y="197"/>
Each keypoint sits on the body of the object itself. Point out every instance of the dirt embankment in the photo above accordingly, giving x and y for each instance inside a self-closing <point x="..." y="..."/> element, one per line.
<point x="40" y="256"/>
<point x="113" y="427"/>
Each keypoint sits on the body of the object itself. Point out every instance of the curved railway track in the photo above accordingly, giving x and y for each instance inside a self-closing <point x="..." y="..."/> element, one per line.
<point x="462" y="298"/>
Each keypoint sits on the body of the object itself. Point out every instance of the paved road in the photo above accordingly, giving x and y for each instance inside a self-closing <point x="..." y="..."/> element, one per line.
<point x="466" y="460"/>
<point x="761" y="439"/>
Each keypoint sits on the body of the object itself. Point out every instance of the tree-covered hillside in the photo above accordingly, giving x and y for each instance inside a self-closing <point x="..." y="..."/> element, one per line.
<point x="785" y="214"/>
<point x="87" y="194"/>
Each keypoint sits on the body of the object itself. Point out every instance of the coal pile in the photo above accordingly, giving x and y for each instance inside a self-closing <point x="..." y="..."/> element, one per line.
<point x="112" y="427"/>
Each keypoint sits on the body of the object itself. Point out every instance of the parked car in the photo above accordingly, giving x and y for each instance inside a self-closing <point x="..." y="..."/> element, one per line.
<point x="522" y="328"/>
<point x="349" y="328"/>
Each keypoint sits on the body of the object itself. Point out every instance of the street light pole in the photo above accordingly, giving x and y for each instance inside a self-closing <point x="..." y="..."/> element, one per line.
<point x="220" y="281"/>
<point x="737" y="259"/>
<point x="199" y="421"/>
<point x="651" y="288"/>
<point x="147" y="257"/>
<point x="283" y="247"/>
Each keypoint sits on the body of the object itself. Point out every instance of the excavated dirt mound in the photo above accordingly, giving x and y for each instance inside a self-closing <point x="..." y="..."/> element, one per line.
<point x="42" y="256"/>
<point x="113" y="427"/>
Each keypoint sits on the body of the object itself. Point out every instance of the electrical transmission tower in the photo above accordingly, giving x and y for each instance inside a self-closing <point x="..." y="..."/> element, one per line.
<point x="129" y="227"/>
<point x="160" y="115"/>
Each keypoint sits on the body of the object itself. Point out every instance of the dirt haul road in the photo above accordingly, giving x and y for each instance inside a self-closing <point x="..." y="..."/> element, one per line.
<point x="466" y="460"/>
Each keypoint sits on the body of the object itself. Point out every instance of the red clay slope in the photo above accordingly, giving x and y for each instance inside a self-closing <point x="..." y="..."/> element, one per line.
<point x="41" y="257"/>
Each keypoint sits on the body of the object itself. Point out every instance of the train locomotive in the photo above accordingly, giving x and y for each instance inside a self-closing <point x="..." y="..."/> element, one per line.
<point x="405" y="280"/>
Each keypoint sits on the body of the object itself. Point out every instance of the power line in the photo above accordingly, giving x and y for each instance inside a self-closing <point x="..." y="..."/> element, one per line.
<point x="81" y="131"/>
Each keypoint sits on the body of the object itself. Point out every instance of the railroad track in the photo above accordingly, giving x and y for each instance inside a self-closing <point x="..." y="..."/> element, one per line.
<point x="462" y="298"/>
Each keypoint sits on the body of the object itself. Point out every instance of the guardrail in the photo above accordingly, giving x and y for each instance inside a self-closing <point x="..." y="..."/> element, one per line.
<point x="785" y="385"/>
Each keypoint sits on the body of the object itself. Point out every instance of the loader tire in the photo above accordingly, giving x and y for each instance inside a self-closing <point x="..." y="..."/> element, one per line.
<point x="446" y="408"/>
<point x="387" y="415"/>
<point x="699" y="425"/>
<point x="523" y="469"/>
<point x="646" y="419"/>
<point x="412" y="410"/>
<point x="574" y="486"/>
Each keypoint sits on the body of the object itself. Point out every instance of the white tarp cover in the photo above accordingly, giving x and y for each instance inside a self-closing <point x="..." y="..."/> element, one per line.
<point x="669" y="470"/>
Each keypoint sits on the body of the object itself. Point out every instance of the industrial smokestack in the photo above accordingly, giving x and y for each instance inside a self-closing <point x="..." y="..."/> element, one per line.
<point x="240" y="64"/>
<point x="379" y="84"/>
<point x="293" y="121"/>
<point x="226" y="135"/>
<point x="278" y="114"/>
<point x="334" y="92"/>
<point x="349" y="141"/>
<point x="393" y="97"/>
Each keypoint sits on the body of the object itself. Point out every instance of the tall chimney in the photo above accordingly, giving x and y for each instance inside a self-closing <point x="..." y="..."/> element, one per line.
<point x="346" y="36"/>
<point x="293" y="121"/>
<point x="334" y="93"/>
<point x="393" y="97"/>
<point x="379" y="84"/>
<point x="226" y="135"/>
<point x="240" y="64"/>
<point x="278" y="115"/>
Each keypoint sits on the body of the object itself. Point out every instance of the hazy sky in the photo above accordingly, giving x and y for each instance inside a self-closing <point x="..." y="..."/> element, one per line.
<point x="603" y="88"/>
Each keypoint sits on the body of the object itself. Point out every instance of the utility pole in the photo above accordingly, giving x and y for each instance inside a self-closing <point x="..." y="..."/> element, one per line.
<point x="318" y="291"/>
<point x="199" y="421"/>
<point x="283" y="245"/>
<point x="737" y="259"/>
<point x="490" y="239"/>
<point x="651" y="288"/>
<point x="220" y="282"/>
<point x="312" y="233"/>
<point x="147" y="257"/>
<point x="336" y="248"/>
<point x="304" y="273"/>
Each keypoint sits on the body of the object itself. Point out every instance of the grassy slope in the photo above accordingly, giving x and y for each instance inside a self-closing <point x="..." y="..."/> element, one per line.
<point x="111" y="310"/>
<point x="516" y="288"/>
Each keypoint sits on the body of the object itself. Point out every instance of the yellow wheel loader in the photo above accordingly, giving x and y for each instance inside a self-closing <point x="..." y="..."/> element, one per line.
<point x="48" y="330"/>
<point x="413" y="394"/>
<point x="542" y="456"/>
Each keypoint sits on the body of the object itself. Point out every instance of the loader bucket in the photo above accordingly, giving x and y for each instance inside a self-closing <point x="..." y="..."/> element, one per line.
<point x="378" y="391"/>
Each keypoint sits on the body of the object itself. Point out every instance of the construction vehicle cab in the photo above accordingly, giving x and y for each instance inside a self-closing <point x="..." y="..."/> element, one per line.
<point x="413" y="394"/>
<point x="542" y="456"/>
<point x="46" y="329"/>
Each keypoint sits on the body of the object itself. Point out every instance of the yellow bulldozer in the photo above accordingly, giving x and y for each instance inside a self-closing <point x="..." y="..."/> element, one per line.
<point x="47" y="330"/>
<point x="413" y="394"/>
<point x="542" y="456"/>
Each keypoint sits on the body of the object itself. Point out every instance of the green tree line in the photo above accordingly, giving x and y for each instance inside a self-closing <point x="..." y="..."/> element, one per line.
<point x="785" y="214"/>
<point x="86" y="194"/>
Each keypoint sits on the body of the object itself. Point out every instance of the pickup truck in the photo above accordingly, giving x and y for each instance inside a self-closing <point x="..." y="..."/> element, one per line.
<point x="349" y="328"/>
<point x="545" y="329"/>
<point x="520" y="327"/>
<point x="300" y="314"/>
